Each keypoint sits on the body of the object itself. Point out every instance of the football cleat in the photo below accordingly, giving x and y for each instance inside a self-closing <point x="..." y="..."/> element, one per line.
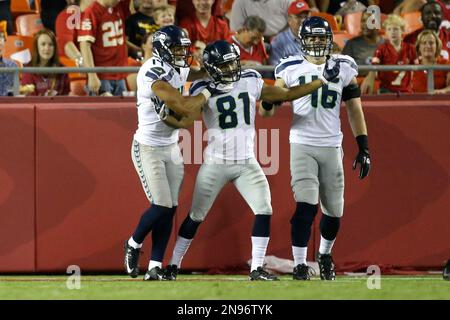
<point x="155" y="274"/>
<point x="326" y="266"/>
<point x="171" y="272"/>
<point x="261" y="275"/>
<point x="446" y="272"/>
<point x="131" y="260"/>
<point x="301" y="272"/>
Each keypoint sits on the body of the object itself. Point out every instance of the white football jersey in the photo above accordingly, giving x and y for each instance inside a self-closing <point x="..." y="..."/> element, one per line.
<point x="152" y="131"/>
<point x="230" y="117"/>
<point x="316" y="116"/>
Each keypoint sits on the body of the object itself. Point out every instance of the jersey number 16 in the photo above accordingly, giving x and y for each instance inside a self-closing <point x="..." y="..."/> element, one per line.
<point x="328" y="96"/>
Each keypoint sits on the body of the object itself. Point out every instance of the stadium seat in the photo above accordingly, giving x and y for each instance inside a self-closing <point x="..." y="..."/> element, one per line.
<point x="413" y="21"/>
<point x="77" y="88"/>
<point x="18" y="48"/>
<point x="19" y="7"/>
<point x="329" y="17"/>
<point x="352" y="23"/>
<point x="71" y="63"/>
<point x="341" y="38"/>
<point x="29" y="24"/>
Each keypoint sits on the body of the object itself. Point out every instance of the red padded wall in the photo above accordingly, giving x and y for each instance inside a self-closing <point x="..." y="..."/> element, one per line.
<point x="87" y="198"/>
<point x="400" y="215"/>
<point x="88" y="195"/>
<point x="17" y="236"/>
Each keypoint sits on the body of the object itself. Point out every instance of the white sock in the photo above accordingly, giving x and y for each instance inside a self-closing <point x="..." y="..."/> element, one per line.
<point x="299" y="254"/>
<point x="325" y="245"/>
<point x="181" y="247"/>
<point x="134" y="244"/>
<point x="259" y="247"/>
<point x="153" y="264"/>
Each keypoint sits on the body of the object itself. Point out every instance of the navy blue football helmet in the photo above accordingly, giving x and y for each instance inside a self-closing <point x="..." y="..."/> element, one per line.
<point x="222" y="61"/>
<point x="316" y="37"/>
<point x="172" y="45"/>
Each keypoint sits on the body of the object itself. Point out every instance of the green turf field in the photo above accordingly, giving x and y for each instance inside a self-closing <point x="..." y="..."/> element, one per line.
<point x="222" y="287"/>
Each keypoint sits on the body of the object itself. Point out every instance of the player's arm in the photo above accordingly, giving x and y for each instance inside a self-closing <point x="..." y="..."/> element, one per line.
<point x="267" y="109"/>
<point x="275" y="93"/>
<point x="280" y="93"/>
<point x="184" y="122"/>
<point x="175" y="101"/>
<point x="351" y="95"/>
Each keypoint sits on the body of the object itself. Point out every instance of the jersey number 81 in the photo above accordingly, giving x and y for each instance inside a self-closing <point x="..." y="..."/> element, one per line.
<point x="228" y="117"/>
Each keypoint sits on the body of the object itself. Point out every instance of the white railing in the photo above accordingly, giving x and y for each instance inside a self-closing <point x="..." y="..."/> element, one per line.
<point x="429" y="68"/>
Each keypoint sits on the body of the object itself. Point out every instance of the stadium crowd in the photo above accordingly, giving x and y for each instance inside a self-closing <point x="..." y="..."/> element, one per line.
<point x="103" y="33"/>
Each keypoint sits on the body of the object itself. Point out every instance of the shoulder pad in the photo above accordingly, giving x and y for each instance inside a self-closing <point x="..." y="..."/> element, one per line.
<point x="290" y="61"/>
<point x="250" y="73"/>
<point x="198" y="84"/>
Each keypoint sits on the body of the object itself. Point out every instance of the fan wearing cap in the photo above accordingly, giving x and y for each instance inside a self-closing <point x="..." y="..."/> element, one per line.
<point x="286" y="43"/>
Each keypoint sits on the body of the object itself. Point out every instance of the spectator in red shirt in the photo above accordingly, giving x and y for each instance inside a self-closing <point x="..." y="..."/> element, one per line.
<point x="393" y="51"/>
<point x="103" y="43"/>
<point x="185" y="9"/>
<point x="428" y="47"/>
<point x="250" y="41"/>
<point x="432" y="19"/>
<point x="44" y="54"/>
<point x="445" y="5"/>
<point x="203" y="26"/>
<point x="67" y="26"/>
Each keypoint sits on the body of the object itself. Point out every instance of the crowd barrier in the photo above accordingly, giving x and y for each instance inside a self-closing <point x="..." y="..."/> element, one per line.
<point x="70" y="196"/>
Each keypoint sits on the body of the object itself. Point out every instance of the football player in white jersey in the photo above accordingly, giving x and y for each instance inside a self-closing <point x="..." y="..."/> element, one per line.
<point x="155" y="152"/>
<point x="229" y="116"/>
<point x="316" y="142"/>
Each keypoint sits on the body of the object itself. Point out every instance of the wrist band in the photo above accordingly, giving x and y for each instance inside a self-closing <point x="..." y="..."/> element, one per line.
<point x="363" y="142"/>
<point x="267" y="105"/>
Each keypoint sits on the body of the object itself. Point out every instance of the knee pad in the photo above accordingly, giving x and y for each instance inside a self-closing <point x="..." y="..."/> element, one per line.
<point x="261" y="226"/>
<point x="329" y="227"/>
<point x="304" y="212"/>
<point x="188" y="228"/>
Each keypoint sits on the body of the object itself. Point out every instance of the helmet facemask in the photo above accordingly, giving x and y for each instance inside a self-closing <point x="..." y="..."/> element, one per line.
<point x="226" y="71"/>
<point x="181" y="56"/>
<point x="317" y="45"/>
<point x="177" y="54"/>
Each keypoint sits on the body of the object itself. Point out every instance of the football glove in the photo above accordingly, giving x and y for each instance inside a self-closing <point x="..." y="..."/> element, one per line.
<point x="160" y="108"/>
<point x="363" y="157"/>
<point x="330" y="74"/>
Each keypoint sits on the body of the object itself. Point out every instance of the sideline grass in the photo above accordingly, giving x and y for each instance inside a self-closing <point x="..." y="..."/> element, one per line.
<point x="222" y="287"/>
